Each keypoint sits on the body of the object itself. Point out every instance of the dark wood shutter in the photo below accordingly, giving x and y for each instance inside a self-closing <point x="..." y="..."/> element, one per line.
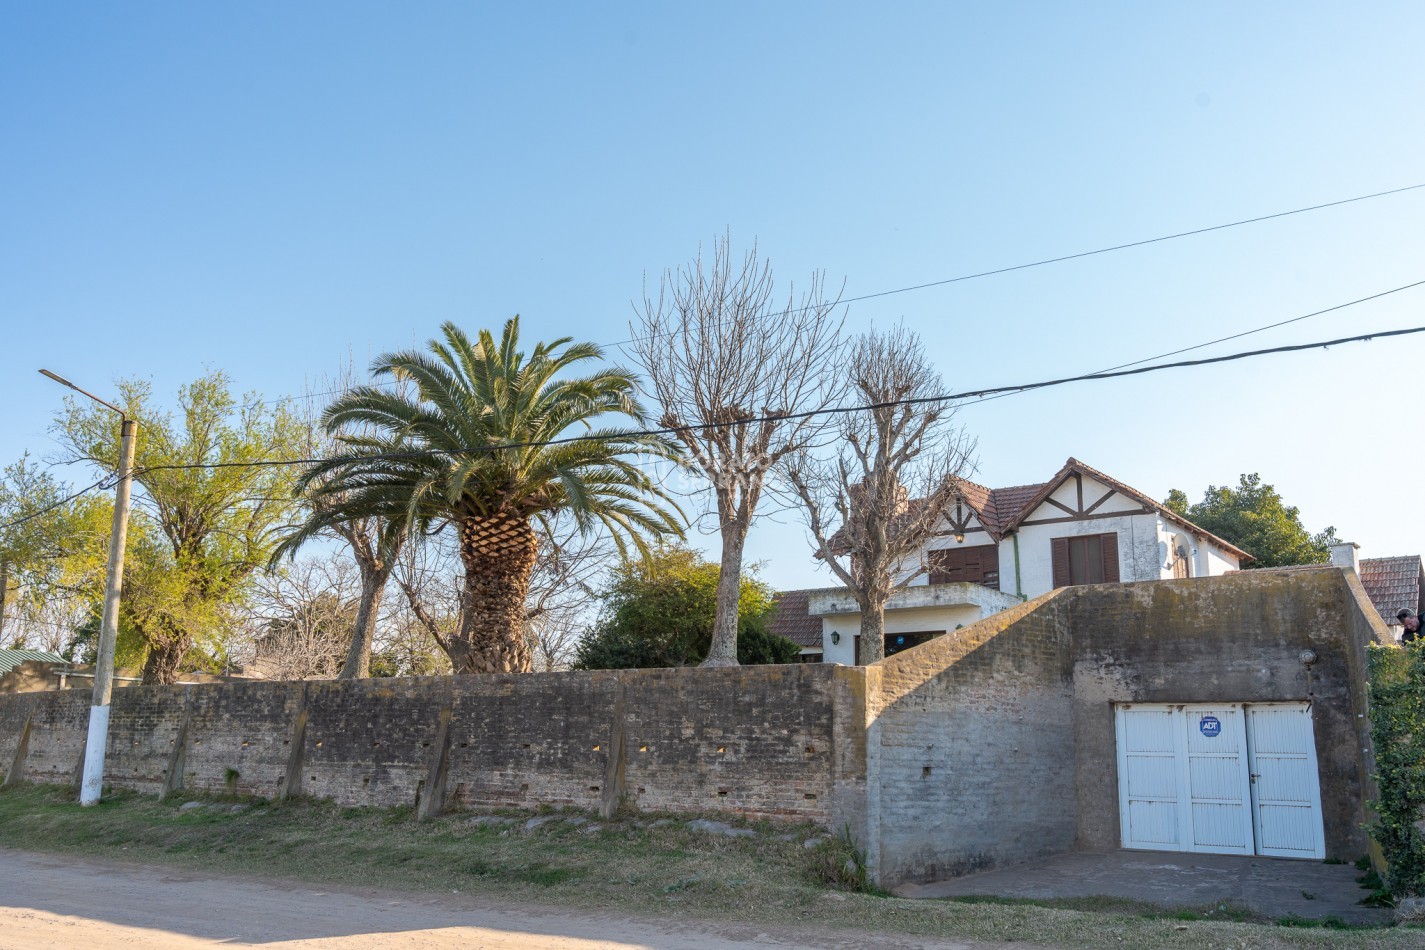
<point x="1059" y="550"/>
<point x="976" y="564"/>
<point x="1110" y="557"/>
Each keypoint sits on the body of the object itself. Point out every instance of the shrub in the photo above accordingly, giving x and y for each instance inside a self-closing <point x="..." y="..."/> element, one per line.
<point x="659" y="612"/>
<point x="1397" y="697"/>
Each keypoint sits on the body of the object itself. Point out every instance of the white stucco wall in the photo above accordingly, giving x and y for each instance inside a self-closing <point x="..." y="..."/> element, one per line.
<point x="1208" y="558"/>
<point x="914" y="620"/>
<point x="1218" y="560"/>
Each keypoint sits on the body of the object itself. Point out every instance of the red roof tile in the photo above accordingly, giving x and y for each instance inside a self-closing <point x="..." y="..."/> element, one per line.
<point x="791" y="620"/>
<point x="1394" y="582"/>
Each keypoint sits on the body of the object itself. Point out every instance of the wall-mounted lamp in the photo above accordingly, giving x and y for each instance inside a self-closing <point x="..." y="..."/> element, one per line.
<point x="959" y="537"/>
<point x="835" y="637"/>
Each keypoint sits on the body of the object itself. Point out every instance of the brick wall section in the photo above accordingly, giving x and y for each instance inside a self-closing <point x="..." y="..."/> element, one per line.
<point x="971" y="757"/>
<point x="758" y="741"/>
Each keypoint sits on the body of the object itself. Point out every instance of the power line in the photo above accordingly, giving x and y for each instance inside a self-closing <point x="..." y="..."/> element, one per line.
<point x="1269" y="326"/>
<point x="1011" y="269"/>
<point x="59" y="504"/>
<point x="1236" y="336"/>
<point x="811" y="413"/>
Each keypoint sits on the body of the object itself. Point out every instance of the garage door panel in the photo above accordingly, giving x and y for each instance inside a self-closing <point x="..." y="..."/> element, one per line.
<point x="1279" y="730"/>
<point x="1218" y="826"/>
<point x="1217" y="778"/>
<point x="1221" y="739"/>
<point x="1282" y="779"/>
<point x="1150" y="731"/>
<point x="1286" y="791"/>
<point x="1153" y="823"/>
<point x="1154" y="776"/>
<point x="1287" y="828"/>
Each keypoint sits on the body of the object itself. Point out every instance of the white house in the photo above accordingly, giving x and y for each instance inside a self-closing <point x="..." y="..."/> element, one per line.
<point x="998" y="547"/>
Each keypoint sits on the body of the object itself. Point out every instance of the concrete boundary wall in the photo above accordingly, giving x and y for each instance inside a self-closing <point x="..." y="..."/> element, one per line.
<point x="759" y="741"/>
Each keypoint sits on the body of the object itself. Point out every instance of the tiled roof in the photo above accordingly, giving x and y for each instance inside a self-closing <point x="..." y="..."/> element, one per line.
<point x="792" y="621"/>
<point x="9" y="659"/>
<point x="1008" y="502"/>
<point x="1392" y="583"/>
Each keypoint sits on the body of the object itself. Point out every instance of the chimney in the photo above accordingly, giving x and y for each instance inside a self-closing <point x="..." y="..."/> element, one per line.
<point x="1344" y="555"/>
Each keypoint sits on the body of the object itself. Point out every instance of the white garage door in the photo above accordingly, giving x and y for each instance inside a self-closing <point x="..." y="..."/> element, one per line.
<point x="1219" y="778"/>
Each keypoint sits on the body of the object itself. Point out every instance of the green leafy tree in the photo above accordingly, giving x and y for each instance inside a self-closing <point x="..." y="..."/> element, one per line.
<point x="659" y="611"/>
<point x="37" y="530"/>
<point x="205" y="516"/>
<point x="1254" y="517"/>
<point x="484" y="441"/>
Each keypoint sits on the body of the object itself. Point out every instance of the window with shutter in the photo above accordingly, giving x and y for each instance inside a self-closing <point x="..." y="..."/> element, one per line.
<point x="1059" y="549"/>
<point x="978" y="564"/>
<point x="1087" y="559"/>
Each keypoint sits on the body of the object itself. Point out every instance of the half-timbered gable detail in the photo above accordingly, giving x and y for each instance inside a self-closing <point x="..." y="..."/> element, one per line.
<point x="995" y="547"/>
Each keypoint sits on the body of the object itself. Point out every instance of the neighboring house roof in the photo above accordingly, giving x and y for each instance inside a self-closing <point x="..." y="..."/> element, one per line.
<point x="9" y="659"/>
<point x="1073" y="465"/>
<point x="1392" y="583"/>
<point x="791" y="619"/>
<point x="997" y="507"/>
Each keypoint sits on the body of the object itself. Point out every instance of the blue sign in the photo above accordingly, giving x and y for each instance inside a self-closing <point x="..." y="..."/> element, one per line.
<point x="1210" y="726"/>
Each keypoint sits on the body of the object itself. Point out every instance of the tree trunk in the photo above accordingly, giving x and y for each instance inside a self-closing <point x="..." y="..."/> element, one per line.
<point x="373" y="589"/>
<point x="723" y="651"/>
<point x="873" y="630"/>
<point x="161" y="667"/>
<point x="498" y="553"/>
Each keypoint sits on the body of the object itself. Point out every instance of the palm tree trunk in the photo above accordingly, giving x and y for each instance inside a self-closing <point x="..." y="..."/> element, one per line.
<point x="498" y="554"/>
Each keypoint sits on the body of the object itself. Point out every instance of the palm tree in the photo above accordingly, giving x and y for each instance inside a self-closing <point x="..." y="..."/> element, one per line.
<point x="490" y="443"/>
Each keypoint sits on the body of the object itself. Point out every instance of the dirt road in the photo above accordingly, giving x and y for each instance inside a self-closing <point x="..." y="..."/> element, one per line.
<point x="51" y="901"/>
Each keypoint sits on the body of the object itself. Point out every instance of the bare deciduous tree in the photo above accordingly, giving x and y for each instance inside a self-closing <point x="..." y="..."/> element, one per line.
<point x="722" y="354"/>
<point x="300" y="620"/>
<point x="562" y="594"/>
<point x="374" y="542"/>
<point x="873" y="503"/>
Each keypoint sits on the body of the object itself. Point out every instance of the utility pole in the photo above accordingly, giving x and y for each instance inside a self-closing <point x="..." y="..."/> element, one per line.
<point x="98" y="740"/>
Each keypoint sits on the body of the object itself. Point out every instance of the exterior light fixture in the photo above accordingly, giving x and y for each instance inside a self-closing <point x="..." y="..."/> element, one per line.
<point x="835" y="637"/>
<point x="959" y="537"/>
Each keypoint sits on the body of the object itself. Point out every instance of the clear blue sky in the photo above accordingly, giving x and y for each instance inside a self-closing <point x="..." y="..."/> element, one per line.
<point x="268" y="187"/>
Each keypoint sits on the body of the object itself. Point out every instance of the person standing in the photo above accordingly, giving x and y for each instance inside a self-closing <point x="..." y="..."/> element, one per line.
<point x="1410" y="625"/>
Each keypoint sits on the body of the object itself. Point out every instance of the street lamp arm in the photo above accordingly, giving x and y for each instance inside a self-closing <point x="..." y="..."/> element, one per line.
<point x="64" y="382"/>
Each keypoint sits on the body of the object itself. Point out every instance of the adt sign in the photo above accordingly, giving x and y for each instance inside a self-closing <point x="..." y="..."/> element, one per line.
<point x="1210" y="726"/>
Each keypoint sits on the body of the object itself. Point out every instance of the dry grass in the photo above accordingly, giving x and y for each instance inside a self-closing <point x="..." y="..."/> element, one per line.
<point x="637" y="865"/>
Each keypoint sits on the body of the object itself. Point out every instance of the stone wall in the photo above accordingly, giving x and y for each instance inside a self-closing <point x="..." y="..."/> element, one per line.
<point x="759" y="741"/>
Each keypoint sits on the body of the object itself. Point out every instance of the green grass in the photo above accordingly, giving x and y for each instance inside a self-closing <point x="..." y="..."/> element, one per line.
<point x="625" y="866"/>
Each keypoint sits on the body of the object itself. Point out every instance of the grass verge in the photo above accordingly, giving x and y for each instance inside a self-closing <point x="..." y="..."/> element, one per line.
<point x="636" y="865"/>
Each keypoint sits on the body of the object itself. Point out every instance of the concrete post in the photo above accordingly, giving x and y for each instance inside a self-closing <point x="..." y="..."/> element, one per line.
<point x="95" y="747"/>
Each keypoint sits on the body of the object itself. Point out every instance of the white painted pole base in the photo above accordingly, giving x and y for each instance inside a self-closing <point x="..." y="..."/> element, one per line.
<point x="94" y="749"/>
